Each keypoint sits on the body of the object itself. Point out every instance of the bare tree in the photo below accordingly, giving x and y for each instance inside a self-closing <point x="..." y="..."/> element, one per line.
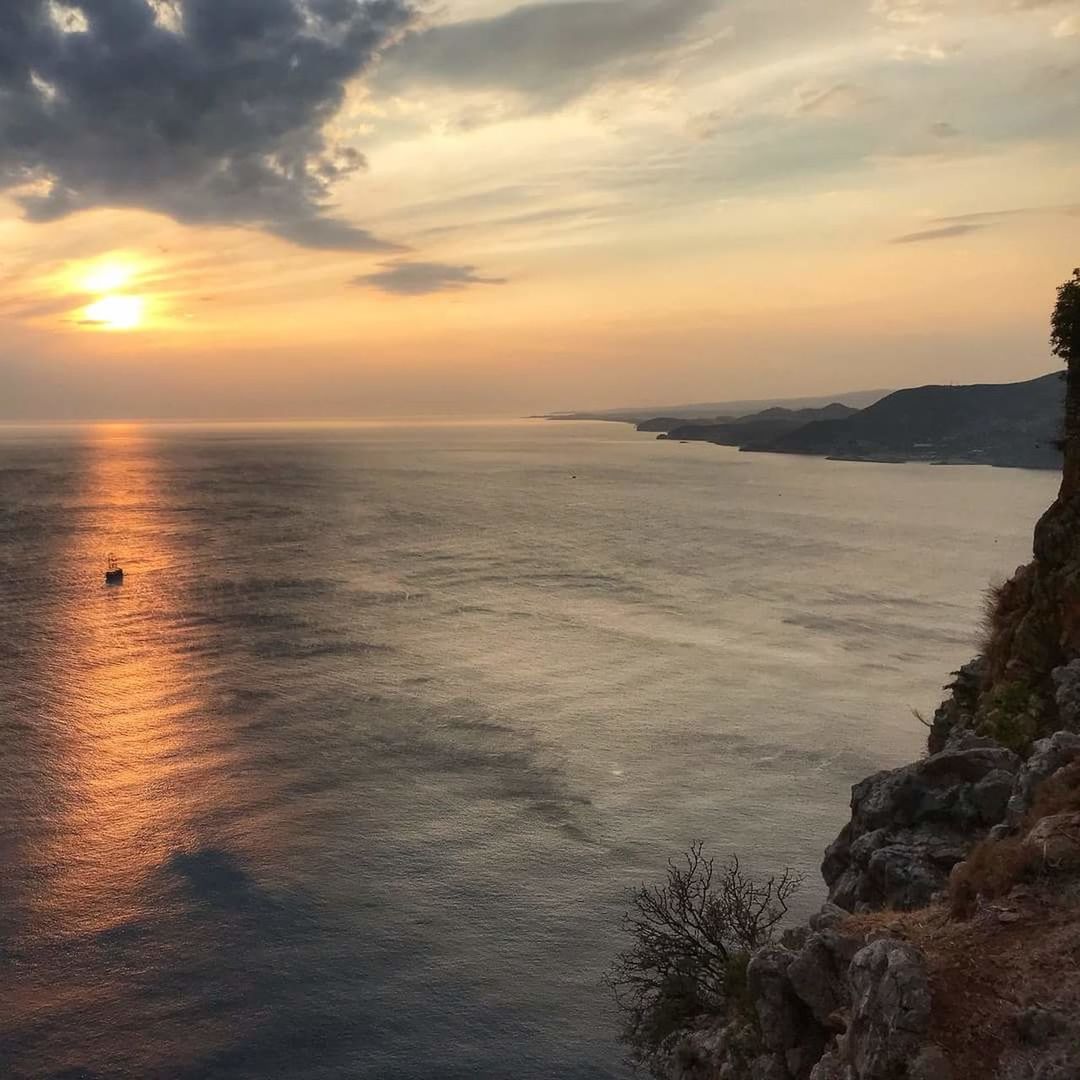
<point x="692" y="936"/>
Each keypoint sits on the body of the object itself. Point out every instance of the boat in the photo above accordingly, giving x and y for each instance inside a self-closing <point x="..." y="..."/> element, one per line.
<point x="114" y="575"/>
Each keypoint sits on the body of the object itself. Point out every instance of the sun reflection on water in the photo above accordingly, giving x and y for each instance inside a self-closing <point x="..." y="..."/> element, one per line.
<point x="118" y="702"/>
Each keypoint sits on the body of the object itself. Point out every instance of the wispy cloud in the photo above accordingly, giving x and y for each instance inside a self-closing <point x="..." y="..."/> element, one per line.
<point x="839" y="99"/>
<point x="546" y="53"/>
<point x="962" y="224"/>
<point x="944" y="232"/>
<point x="422" y="278"/>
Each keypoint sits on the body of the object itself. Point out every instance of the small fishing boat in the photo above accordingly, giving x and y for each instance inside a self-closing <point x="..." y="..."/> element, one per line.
<point x="113" y="574"/>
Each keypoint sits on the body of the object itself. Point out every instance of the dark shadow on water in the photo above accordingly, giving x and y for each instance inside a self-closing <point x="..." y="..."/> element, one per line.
<point x="215" y="878"/>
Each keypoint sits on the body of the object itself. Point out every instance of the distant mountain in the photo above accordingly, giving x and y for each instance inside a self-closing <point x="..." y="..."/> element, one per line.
<point x="1010" y="424"/>
<point x="666" y="423"/>
<point x="718" y="411"/>
<point x="757" y="427"/>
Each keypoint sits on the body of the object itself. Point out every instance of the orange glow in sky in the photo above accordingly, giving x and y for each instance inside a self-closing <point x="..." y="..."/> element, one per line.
<point x="106" y="276"/>
<point x="115" y="312"/>
<point x="704" y="200"/>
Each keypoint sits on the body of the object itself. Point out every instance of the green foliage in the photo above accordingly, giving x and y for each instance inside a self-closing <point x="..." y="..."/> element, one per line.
<point x="737" y="986"/>
<point x="691" y="941"/>
<point x="1011" y="715"/>
<point x="1065" y="321"/>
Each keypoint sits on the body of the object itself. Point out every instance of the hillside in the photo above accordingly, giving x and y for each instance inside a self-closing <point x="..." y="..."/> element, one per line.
<point x="1011" y="424"/>
<point x="765" y="425"/>
<point x="717" y="411"/>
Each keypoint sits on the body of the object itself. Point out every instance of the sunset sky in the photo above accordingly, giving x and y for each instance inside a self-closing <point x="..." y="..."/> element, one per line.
<point x="260" y="208"/>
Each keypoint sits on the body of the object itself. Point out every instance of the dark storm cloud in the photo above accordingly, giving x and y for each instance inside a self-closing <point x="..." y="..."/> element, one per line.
<point x="549" y="53"/>
<point x="210" y="111"/>
<point x="421" y="278"/>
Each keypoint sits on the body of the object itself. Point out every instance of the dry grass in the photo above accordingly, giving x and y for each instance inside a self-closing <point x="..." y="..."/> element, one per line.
<point x="1003" y="608"/>
<point x="1059" y="794"/>
<point x="983" y="971"/>
<point x="995" y="867"/>
<point x="992" y="870"/>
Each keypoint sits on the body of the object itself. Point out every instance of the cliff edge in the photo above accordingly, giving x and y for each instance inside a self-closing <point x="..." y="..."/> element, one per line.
<point x="950" y="943"/>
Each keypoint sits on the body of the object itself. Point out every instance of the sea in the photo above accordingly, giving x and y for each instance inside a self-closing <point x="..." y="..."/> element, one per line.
<point x="352" y="775"/>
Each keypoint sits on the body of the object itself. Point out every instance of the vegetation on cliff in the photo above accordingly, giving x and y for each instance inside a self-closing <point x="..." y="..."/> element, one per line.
<point x="692" y="937"/>
<point x="1026" y="683"/>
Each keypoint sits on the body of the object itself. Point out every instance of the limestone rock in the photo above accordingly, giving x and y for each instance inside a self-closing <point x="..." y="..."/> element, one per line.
<point x="715" y="1048"/>
<point x="788" y="1028"/>
<point x="890" y="1009"/>
<point x="779" y="1010"/>
<point x="1066" y="681"/>
<point x="1047" y="756"/>
<point x="958" y="709"/>
<point x="910" y="826"/>
<point x="818" y="975"/>
<point x="827" y="917"/>
<point x="830" y="1067"/>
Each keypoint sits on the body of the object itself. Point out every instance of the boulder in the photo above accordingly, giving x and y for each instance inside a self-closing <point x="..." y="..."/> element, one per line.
<point x="959" y="708"/>
<point x="778" y="1009"/>
<point x="890" y="1010"/>
<point x="818" y="974"/>
<point x="788" y="1030"/>
<point x="1047" y="756"/>
<point x="1057" y="840"/>
<point x="715" y="1048"/>
<point x="1066" y="681"/>
<point x="887" y="1036"/>
<point x="910" y="826"/>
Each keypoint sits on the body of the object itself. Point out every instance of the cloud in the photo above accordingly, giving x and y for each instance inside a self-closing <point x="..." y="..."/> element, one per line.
<point x="422" y="278"/>
<point x="548" y="53"/>
<point x="209" y="111"/>
<point x="961" y="224"/>
<point x="841" y="99"/>
<point x="906" y="12"/>
<point x="943" y="232"/>
<point x="1068" y="27"/>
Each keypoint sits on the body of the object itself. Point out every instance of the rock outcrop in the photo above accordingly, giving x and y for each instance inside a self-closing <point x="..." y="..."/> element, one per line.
<point x="910" y="826"/>
<point x="888" y="1037"/>
<point x="854" y="993"/>
<point x="1048" y="756"/>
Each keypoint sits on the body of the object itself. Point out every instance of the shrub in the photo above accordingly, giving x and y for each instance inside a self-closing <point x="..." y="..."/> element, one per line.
<point x="990" y="871"/>
<point x="691" y="940"/>
<point x="994" y="867"/>
<point x="1011" y="716"/>
<point x="1004" y="605"/>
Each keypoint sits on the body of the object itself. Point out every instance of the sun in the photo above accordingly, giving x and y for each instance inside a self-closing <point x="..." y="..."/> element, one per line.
<point x="115" y="312"/>
<point x="106" y="276"/>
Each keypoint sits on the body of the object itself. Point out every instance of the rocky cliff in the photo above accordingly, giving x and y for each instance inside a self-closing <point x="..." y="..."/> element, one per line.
<point x="937" y="957"/>
<point x="950" y="944"/>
